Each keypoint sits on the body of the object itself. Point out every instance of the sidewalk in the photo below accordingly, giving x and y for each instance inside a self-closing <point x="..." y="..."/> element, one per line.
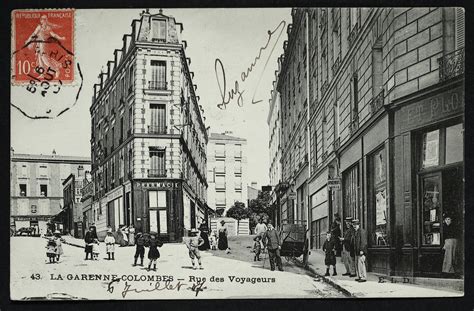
<point x="373" y="288"/>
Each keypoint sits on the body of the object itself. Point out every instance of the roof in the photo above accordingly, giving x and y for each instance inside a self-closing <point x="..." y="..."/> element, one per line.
<point x="49" y="158"/>
<point x="217" y="136"/>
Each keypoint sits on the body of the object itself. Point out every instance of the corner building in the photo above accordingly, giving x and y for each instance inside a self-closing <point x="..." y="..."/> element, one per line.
<point x="385" y="121"/>
<point x="148" y="135"/>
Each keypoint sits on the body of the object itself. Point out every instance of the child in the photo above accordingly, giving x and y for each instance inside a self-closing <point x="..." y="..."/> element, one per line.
<point x="213" y="240"/>
<point x="140" y="248"/>
<point x="153" y="253"/>
<point x="95" y="250"/>
<point x="257" y="247"/>
<point x="329" y="247"/>
<point x="51" y="250"/>
<point x="193" y="242"/>
<point x="59" y="244"/>
<point x="110" y="245"/>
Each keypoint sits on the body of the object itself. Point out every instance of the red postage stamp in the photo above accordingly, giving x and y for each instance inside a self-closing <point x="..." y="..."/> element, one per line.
<point x="43" y="46"/>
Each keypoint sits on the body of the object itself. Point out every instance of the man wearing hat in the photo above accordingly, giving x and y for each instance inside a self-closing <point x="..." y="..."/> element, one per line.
<point x="348" y="252"/>
<point x="360" y="248"/>
<point x="273" y="243"/>
<point x="193" y="243"/>
<point x="140" y="249"/>
<point x="336" y="233"/>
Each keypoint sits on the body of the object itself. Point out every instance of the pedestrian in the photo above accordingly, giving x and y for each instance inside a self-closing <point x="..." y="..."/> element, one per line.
<point x="336" y="234"/>
<point x="192" y="243"/>
<point x="140" y="249"/>
<point x="273" y="244"/>
<point x="449" y="247"/>
<point x="329" y="249"/>
<point x="51" y="250"/>
<point x="360" y="248"/>
<point x="213" y="240"/>
<point x="153" y="252"/>
<point x="124" y="231"/>
<point x="95" y="249"/>
<point x="348" y="252"/>
<point x="131" y="235"/>
<point x="222" y="243"/>
<point x="260" y="230"/>
<point x="257" y="247"/>
<point x="110" y="245"/>
<point x="89" y="240"/>
<point x="203" y="234"/>
<point x="59" y="244"/>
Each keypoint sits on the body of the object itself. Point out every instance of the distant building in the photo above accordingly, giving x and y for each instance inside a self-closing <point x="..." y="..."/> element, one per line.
<point x="227" y="171"/>
<point x="148" y="138"/>
<point x="36" y="187"/>
<point x="72" y="196"/>
<point x="252" y="191"/>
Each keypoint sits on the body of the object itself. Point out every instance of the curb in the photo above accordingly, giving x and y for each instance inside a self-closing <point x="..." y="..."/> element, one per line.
<point x="326" y="279"/>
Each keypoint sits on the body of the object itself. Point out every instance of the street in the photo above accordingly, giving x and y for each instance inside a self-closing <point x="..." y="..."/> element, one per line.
<point x="233" y="275"/>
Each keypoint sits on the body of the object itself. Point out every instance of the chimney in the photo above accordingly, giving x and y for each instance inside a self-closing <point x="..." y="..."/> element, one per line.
<point x="80" y="171"/>
<point x="54" y="152"/>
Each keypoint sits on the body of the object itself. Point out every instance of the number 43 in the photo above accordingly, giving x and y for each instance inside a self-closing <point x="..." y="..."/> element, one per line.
<point x="35" y="276"/>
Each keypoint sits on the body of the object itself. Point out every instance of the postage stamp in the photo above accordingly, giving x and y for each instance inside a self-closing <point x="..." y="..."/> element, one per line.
<point x="43" y="46"/>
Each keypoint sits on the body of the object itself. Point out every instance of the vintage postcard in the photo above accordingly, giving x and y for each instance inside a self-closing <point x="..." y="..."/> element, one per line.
<point x="237" y="153"/>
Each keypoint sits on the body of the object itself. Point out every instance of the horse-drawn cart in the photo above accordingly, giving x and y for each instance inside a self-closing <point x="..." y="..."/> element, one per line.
<point x="294" y="241"/>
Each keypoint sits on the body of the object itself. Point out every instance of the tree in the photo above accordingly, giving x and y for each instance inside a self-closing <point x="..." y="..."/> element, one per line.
<point x="260" y="208"/>
<point x="238" y="211"/>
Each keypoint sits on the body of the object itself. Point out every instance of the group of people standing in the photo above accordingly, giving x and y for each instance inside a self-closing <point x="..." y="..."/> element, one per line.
<point x="352" y="248"/>
<point x="268" y="238"/>
<point x="54" y="247"/>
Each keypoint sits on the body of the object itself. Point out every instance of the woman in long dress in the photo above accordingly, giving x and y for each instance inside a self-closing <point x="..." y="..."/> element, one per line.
<point x="449" y="247"/>
<point x="40" y="36"/>
<point x="206" y="245"/>
<point x="222" y="243"/>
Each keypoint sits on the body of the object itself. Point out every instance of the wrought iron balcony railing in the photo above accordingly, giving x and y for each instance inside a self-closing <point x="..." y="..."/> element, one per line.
<point x="156" y="173"/>
<point x="157" y="85"/>
<point x="451" y="65"/>
<point x="156" y="129"/>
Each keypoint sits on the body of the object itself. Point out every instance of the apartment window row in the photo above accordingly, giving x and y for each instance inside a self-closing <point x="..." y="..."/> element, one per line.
<point x="43" y="190"/>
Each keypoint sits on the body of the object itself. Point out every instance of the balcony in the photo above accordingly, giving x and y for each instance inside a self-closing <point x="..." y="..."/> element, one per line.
<point x="158" y="85"/>
<point x="451" y="65"/>
<point x="157" y="129"/>
<point x="377" y="102"/>
<point x="156" y="173"/>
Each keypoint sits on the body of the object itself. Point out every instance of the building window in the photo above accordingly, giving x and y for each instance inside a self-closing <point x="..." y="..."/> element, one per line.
<point x="130" y="162"/>
<point x="238" y="182"/>
<point x="34" y="209"/>
<point x="336" y="119"/>
<point x="130" y="121"/>
<point x="220" y="150"/>
<point x="220" y="182"/>
<point x="238" y="167"/>
<point x="351" y="193"/>
<point x="159" y="30"/>
<point x="378" y="197"/>
<point x="157" y="199"/>
<point x="23" y="190"/>
<point x="238" y="151"/>
<point x="158" y="75"/>
<point x="158" y="119"/>
<point x="377" y="68"/>
<point x="121" y="130"/>
<point x="157" y="163"/>
<point x="430" y="149"/>
<point x="454" y="144"/>
<point x="354" y="101"/>
<point x="220" y="199"/>
<point x="43" y="171"/>
<point x="459" y="27"/>
<point x="220" y="166"/>
<point x="131" y="79"/>
<point x="24" y="171"/>
<point x="44" y="190"/>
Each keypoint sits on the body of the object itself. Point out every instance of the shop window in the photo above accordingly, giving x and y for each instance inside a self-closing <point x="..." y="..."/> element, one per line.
<point x="431" y="210"/>
<point x="23" y="190"/>
<point x="44" y="190"/>
<point x="430" y="149"/>
<point x="351" y="193"/>
<point x="454" y="144"/>
<point x="378" y="193"/>
<point x="157" y="199"/>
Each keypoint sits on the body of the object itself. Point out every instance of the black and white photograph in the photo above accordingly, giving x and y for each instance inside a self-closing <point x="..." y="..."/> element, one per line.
<point x="237" y="153"/>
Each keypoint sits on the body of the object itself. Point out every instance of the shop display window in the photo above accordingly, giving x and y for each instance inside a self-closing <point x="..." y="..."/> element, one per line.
<point x="431" y="211"/>
<point x="430" y="149"/>
<point x="379" y="197"/>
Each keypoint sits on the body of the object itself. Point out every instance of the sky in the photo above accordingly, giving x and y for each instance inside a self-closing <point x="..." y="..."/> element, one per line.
<point x="234" y="36"/>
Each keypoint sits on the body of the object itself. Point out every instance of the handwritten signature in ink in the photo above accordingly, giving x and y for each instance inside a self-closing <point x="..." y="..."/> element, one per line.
<point x="157" y="286"/>
<point x="236" y="92"/>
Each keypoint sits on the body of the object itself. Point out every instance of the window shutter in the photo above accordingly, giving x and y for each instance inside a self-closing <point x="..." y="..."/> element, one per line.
<point x="459" y="28"/>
